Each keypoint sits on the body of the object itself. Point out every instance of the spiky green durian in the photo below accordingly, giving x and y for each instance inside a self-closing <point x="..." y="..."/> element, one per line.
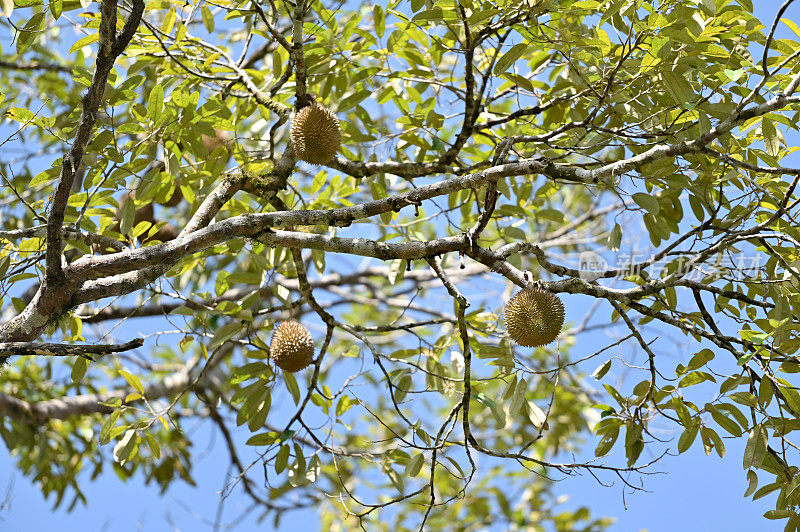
<point x="315" y="134"/>
<point x="292" y="346"/>
<point x="534" y="317"/>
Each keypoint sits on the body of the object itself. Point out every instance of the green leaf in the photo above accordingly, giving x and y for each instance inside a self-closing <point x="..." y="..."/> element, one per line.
<point x="108" y="424"/>
<point x="415" y="465"/>
<point x="766" y="490"/>
<point x="634" y="443"/>
<point x="697" y="207"/>
<point x="79" y="368"/>
<point x="691" y="379"/>
<point x="508" y="392"/>
<point x="6" y="7"/>
<point x="791" y="394"/>
<point x="123" y="450"/>
<point x="352" y="100"/>
<point x="291" y="385"/>
<point x="169" y="21"/>
<point x="221" y="284"/>
<point x="259" y="410"/>
<point x="397" y="270"/>
<point x="208" y="19"/>
<point x="265" y="438"/>
<point x="755" y="448"/>
<point x="709" y="7"/>
<point x="456" y="465"/>
<point x="225" y="333"/>
<point x="613" y="392"/>
<point x="133" y="380"/>
<point x="765" y="392"/>
<point x="397" y="481"/>
<point x="84" y="41"/>
<point x="380" y="20"/>
<point x="744" y="398"/>
<point x="433" y="14"/>
<point x="155" y="103"/>
<point x="700" y="359"/>
<point x="509" y="58"/>
<point x="647" y="202"/>
<point x="726" y="423"/>
<point x="614" y="238"/>
<point x="536" y="415"/>
<point x="792" y="25"/>
<point x="687" y="438"/>
<point x="352" y="352"/>
<point x="518" y="398"/>
<point x="778" y="514"/>
<point x="607" y="442"/>
<point x="771" y="140"/>
<point x="314" y="466"/>
<point x="20" y="114"/>
<point x="282" y="458"/>
<point x="128" y="215"/>
<point x="249" y="371"/>
<point x="752" y="480"/>
<point x="734" y="75"/>
<point x="712" y="435"/>
<point x="679" y="89"/>
<point x="297" y="473"/>
<point x="27" y="36"/>
<point x="56" y="7"/>
<point x="496" y="410"/>
<point x="343" y="405"/>
<point x="747" y="4"/>
<point x="153" y="444"/>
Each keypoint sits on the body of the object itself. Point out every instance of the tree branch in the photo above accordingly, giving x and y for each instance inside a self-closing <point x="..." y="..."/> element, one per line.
<point x="65" y="350"/>
<point x="110" y="47"/>
<point x="66" y="407"/>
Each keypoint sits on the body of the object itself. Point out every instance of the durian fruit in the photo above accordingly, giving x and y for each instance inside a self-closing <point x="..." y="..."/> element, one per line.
<point x="534" y="317"/>
<point x="292" y="346"/>
<point x="315" y="134"/>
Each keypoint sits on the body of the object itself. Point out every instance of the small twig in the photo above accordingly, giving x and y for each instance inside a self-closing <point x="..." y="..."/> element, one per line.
<point x="771" y="35"/>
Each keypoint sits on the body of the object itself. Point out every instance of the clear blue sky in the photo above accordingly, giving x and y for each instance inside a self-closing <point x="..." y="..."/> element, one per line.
<point x="695" y="492"/>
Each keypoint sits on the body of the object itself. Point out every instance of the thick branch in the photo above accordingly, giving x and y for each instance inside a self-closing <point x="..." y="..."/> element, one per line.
<point x="34" y="65"/>
<point x="66" y="407"/>
<point x="65" y="350"/>
<point x="110" y="47"/>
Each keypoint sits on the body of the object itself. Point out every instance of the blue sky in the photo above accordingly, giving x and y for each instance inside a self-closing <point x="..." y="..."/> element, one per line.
<point x="695" y="491"/>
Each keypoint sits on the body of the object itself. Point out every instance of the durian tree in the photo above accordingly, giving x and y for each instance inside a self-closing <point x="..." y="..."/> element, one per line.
<point x="385" y="177"/>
